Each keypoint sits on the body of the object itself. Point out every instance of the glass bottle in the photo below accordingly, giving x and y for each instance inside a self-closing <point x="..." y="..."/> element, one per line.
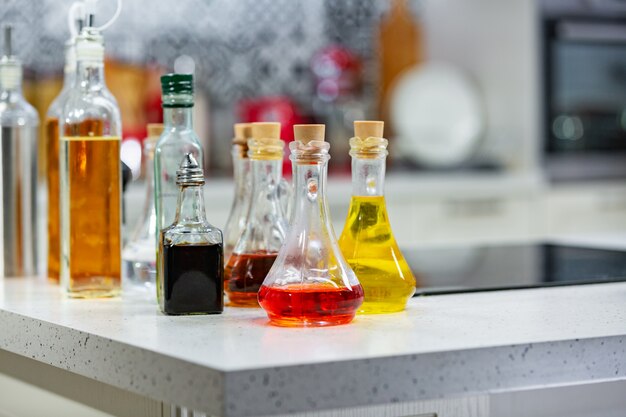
<point x="191" y="257"/>
<point x="241" y="175"/>
<point x="90" y="178"/>
<point x="177" y="140"/>
<point x="266" y="223"/>
<point x="139" y="253"/>
<point x="367" y="241"/>
<point x="54" y="113"/>
<point x="310" y="283"/>
<point x="19" y="125"/>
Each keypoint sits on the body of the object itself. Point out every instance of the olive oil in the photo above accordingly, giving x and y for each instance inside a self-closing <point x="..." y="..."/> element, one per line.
<point x="90" y="196"/>
<point x="52" y="167"/>
<point x="371" y="250"/>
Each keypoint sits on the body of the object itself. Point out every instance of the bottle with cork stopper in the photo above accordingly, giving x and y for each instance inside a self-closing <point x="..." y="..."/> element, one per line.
<point x="266" y="223"/>
<point x="241" y="175"/>
<point x="367" y="240"/>
<point x="310" y="283"/>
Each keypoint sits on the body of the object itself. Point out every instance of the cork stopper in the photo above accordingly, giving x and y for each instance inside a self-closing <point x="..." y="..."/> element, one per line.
<point x="266" y="130"/>
<point x="243" y="132"/>
<point x="307" y="133"/>
<point x="368" y="128"/>
<point x="154" y="130"/>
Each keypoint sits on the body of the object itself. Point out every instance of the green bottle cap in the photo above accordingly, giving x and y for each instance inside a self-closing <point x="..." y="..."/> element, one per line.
<point x="177" y="90"/>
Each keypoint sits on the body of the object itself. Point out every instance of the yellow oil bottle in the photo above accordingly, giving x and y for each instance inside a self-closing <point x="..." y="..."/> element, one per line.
<point x="367" y="241"/>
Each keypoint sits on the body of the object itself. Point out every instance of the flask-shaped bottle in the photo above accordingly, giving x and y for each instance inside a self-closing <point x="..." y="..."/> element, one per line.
<point x="310" y="283"/>
<point x="191" y="257"/>
<point x="90" y="178"/>
<point x="53" y="115"/>
<point x="266" y="223"/>
<point x="19" y="124"/>
<point x="241" y="175"/>
<point x="367" y="241"/>
<point x="177" y="140"/>
<point x="139" y="253"/>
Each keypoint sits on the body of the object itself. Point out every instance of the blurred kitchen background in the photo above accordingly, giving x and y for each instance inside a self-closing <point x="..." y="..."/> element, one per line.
<point x="506" y="118"/>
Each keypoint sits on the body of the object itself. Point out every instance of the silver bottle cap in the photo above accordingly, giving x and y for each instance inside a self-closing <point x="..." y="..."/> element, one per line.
<point x="190" y="172"/>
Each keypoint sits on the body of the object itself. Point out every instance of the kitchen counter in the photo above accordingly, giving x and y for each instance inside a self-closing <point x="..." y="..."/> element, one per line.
<point x="237" y="365"/>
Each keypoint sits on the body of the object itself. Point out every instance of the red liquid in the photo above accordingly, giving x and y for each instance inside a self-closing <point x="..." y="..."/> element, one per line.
<point x="244" y="276"/>
<point x="310" y="305"/>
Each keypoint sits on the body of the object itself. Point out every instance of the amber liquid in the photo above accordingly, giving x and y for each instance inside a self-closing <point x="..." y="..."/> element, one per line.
<point x="54" y="227"/>
<point x="90" y="195"/>
<point x="244" y="276"/>
<point x="370" y="248"/>
<point x="298" y="305"/>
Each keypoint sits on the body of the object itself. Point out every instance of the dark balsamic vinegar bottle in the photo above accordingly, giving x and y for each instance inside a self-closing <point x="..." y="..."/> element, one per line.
<point x="190" y="260"/>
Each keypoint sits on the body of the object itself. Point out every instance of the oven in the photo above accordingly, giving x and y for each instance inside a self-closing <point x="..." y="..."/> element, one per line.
<point x="584" y="89"/>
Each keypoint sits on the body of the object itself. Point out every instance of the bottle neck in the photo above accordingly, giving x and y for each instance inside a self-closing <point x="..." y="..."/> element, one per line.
<point x="69" y="78"/>
<point x="368" y="176"/>
<point x="310" y="188"/>
<point x="190" y="208"/>
<point x="265" y="172"/>
<point x="90" y="75"/>
<point x="178" y="117"/>
<point x="241" y="172"/>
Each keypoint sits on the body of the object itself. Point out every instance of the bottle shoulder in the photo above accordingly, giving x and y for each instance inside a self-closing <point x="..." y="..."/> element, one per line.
<point x="56" y="107"/>
<point x="173" y="137"/>
<point x="202" y="233"/>
<point x="16" y="111"/>
<point x="90" y="104"/>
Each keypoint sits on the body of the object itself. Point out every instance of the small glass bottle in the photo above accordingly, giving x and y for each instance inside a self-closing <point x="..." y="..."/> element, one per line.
<point x="177" y="140"/>
<point x="19" y="124"/>
<point x="90" y="178"/>
<point x="367" y="241"/>
<point x="54" y="113"/>
<point x="139" y="254"/>
<point x="191" y="258"/>
<point x="310" y="283"/>
<point x="266" y="223"/>
<point x="241" y="175"/>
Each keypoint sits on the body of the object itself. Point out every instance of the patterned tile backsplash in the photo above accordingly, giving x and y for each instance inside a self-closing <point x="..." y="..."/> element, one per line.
<point x="241" y="48"/>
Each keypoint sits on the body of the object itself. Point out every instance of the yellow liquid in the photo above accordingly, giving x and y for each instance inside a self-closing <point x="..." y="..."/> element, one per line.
<point x="91" y="197"/>
<point x="368" y="245"/>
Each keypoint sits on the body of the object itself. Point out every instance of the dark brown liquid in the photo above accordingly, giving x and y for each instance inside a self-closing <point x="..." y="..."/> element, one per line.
<point x="193" y="279"/>
<point x="244" y="276"/>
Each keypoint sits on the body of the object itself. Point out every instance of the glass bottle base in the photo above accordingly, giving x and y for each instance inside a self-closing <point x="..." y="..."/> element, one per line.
<point x="309" y="322"/>
<point x="94" y="293"/>
<point x="381" y="307"/>
<point x="312" y="305"/>
<point x="242" y="299"/>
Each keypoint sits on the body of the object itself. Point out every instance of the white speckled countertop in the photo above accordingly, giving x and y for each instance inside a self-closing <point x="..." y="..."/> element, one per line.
<point x="237" y="365"/>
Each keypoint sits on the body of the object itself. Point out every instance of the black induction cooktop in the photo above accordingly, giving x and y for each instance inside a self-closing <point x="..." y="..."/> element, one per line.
<point x="498" y="267"/>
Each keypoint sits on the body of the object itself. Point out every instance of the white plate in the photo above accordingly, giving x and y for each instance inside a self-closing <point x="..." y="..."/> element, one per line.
<point x="438" y="115"/>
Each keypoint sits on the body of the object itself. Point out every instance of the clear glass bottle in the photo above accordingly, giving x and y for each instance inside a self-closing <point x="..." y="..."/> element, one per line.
<point x="310" y="283"/>
<point x="177" y="140"/>
<point x="191" y="257"/>
<point x="90" y="178"/>
<point x="53" y="115"/>
<point x="19" y="124"/>
<point x="266" y="223"/>
<point x="139" y="253"/>
<point x="241" y="175"/>
<point x="367" y="240"/>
